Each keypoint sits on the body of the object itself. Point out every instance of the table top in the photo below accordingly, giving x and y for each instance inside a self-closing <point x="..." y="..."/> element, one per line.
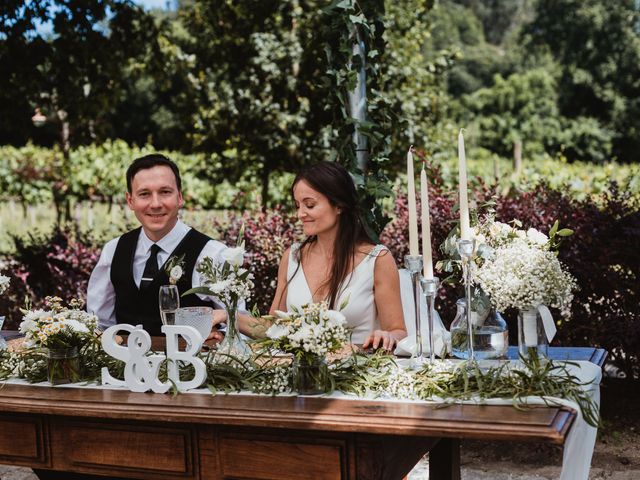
<point x="294" y="412"/>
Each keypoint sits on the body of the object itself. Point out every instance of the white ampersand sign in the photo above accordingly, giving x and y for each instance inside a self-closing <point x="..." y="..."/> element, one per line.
<point x="141" y="369"/>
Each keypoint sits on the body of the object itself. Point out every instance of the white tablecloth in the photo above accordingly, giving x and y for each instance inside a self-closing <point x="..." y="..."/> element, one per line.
<point x="578" y="446"/>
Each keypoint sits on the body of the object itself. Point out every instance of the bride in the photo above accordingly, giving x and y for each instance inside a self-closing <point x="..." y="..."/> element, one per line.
<point x="338" y="263"/>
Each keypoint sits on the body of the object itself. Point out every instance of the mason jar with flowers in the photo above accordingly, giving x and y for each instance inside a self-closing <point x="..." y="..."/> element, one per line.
<point x="62" y="331"/>
<point x="526" y="275"/>
<point x="309" y="333"/>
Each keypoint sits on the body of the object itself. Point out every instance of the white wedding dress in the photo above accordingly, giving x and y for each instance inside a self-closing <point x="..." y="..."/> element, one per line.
<point x="357" y="290"/>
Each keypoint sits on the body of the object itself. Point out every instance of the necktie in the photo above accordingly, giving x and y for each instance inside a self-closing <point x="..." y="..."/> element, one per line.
<point x="150" y="268"/>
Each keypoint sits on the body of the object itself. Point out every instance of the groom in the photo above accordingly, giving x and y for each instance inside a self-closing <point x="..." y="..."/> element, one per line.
<point x="124" y="285"/>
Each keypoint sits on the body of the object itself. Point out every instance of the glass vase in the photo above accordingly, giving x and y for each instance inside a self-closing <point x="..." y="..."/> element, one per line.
<point x="532" y="338"/>
<point x="233" y="346"/>
<point x="3" y="344"/>
<point x="490" y="333"/>
<point x="63" y="365"/>
<point x="310" y="375"/>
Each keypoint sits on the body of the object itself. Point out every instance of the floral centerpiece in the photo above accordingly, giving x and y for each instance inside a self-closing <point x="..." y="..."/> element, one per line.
<point x="497" y="283"/>
<point x="309" y="333"/>
<point x="230" y="283"/>
<point x="62" y="331"/>
<point x="524" y="273"/>
<point x="521" y="275"/>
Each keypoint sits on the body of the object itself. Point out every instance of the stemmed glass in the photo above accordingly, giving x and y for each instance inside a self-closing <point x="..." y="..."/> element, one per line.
<point x="466" y="249"/>
<point x="169" y="302"/>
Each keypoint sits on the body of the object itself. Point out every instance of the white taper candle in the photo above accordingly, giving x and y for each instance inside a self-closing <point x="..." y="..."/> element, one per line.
<point x="465" y="227"/>
<point x="413" y="211"/>
<point x="426" y="225"/>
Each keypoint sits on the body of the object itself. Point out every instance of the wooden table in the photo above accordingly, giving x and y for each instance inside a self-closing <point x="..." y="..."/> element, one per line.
<point x="192" y="436"/>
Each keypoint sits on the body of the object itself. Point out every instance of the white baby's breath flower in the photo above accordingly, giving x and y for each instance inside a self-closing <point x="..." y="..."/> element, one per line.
<point x="234" y="256"/>
<point x="537" y="237"/>
<point x="522" y="275"/>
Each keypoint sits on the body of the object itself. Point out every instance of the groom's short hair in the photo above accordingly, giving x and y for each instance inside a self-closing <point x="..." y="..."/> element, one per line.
<point x="150" y="161"/>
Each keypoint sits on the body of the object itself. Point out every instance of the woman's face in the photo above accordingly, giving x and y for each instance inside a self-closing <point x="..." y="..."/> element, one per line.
<point x="314" y="210"/>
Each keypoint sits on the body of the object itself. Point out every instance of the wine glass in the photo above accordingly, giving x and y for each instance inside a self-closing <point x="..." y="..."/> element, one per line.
<point x="169" y="302"/>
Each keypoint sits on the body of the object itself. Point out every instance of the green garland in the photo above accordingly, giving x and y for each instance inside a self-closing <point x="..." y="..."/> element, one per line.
<point x="377" y="376"/>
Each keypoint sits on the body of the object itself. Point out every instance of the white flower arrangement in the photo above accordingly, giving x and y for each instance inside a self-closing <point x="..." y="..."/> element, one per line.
<point x="523" y="274"/>
<point x="58" y="326"/>
<point x="4" y="283"/>
<point x="532" y="272"/>
<point x="228" y="281"/>
<point x="312" y="330"/>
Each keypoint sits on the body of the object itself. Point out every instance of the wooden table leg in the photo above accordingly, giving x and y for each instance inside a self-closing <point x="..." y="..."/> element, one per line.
<point x="388" y="457"/>
<point x="444" y="460"/>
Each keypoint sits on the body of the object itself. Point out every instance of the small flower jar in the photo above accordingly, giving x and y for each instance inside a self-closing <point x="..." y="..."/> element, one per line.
<point x="63" y="365"/>
<point x="310" y="375"/>
<point x="532" y="338"/>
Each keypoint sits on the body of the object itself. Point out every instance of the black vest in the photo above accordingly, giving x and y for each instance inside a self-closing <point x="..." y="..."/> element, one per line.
<point x="135" y="306"/>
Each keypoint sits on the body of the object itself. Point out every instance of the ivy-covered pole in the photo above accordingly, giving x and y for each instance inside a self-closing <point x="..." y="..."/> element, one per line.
<point x="358" y="98"/>
<point x="352" y="35"/>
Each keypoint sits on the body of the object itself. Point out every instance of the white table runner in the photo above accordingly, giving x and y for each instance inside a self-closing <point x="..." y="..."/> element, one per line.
<point x="578" y="446"/>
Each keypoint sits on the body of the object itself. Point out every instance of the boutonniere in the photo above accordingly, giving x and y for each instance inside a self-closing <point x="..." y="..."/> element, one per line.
<point x="174" y="268"/>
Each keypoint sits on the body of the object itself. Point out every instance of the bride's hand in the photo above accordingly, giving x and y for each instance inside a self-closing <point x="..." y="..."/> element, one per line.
<point x="380" y="339"/>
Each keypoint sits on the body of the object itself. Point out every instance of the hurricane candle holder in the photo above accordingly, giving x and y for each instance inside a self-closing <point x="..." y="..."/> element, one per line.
<point x="466" y="249"/>
<point x="429" y="290"/>
<point x="413" y="263"/>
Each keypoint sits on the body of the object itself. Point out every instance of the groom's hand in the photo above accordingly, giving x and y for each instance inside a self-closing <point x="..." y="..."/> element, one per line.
<point x="219" y="316"/>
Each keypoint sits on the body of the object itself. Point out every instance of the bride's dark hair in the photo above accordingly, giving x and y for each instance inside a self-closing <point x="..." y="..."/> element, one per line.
<point x="333" y="181"/>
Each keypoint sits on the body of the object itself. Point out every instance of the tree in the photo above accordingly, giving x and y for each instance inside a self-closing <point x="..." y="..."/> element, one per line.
<point x="597" y="45"/>
<point x="256" y="69"/>
<point x="75" y="72"/>
<point x="414" y="79"/>
<point x="74" y="75"/>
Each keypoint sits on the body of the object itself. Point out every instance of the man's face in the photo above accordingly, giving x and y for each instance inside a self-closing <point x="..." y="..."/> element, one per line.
<point x="155" y="199"/>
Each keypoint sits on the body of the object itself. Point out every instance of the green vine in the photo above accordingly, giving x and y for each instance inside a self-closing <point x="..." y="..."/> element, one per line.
<point x="343" y="19"/>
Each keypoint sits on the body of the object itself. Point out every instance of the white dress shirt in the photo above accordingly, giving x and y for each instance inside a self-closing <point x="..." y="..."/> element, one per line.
<point x="101" y="296"/>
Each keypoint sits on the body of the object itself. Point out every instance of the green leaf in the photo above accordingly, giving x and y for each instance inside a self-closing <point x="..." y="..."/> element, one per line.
<point x="565" y="232"/>
<point x="198" y="290"/>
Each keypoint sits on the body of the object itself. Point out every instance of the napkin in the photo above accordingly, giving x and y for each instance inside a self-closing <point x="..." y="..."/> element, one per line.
<point x="441" y="337"/>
